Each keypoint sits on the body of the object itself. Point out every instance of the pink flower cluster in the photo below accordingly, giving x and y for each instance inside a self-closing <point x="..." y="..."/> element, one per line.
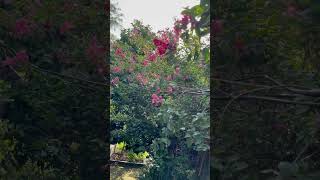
<point x="22" y="27"/>
<point x="169" y="89"/>
<point x="142" y="79"/>
<point x="156" y="100"/>
<point x="166" y="40"/>
<point x="145" y="62"/>
<point x="20" y="58"/>
<point x="116" y="69"/>
<point x="161" y="45"/>
<point x="120" y="53"/>
<point x="152" y="57"/>
<point x="186" y="19"/>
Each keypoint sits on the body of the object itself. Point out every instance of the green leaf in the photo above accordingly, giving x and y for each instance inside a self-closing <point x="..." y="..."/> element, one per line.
<point x="197" y="10"/>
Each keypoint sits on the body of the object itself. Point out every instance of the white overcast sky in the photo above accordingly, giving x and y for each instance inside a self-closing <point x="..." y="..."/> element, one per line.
<point x="159" y="14"/>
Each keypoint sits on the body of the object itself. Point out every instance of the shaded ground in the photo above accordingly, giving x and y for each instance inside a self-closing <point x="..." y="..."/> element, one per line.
<point x="118" y="172"/>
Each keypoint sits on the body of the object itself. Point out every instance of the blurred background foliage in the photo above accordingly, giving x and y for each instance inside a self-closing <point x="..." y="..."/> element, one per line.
<point x="52" y="108"/>
<point x="265" y="64"/>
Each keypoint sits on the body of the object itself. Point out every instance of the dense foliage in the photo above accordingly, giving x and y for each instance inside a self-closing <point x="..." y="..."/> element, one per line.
<point x="160" y="94"/>
<point x="52" y="56"/>
<point x="265" y="79"/>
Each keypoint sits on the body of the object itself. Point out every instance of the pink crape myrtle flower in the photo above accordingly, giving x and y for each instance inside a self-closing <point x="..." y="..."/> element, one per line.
<point x="143" y="80"/>
<point x="152" y="57"/>
<point x="164" y="36"/>
<point x="22" y="27"/>
<point x="156" y="100"/>
<point x="115" y="81"/>
<point x="120" y="53"/>
<point x="161" y="45"/>
<point x="162" y="50"/>
<point x="20" y="58"/>
<point x="145" y="62"/>
<point x="185" y="20"/>
<point x="169" y="89"/>
<point x="116" y="69"/>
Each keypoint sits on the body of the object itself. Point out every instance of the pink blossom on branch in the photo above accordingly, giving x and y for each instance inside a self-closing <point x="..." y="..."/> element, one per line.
<point x="20" y="58"/>
<point x="152" y="57"/>
<point x="145" y="62"/>
<point x="142" y="80"/>
<point x="120" y="53"/>
<point x="116" y="69"/>
<point x="170" y="90"/>
<point x="156" y="100"/>
<point x="161" y="46"/>
<point x="185" y="20"/>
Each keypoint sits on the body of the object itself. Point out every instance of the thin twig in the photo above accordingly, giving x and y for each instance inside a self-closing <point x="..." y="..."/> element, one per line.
<point x="265" y="98"/>
<point x="69" y="77"/>
<point x="247" y="92"/>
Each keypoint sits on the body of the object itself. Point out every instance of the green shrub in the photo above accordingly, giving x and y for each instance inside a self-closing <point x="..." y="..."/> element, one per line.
<point x="120" y="147"/>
